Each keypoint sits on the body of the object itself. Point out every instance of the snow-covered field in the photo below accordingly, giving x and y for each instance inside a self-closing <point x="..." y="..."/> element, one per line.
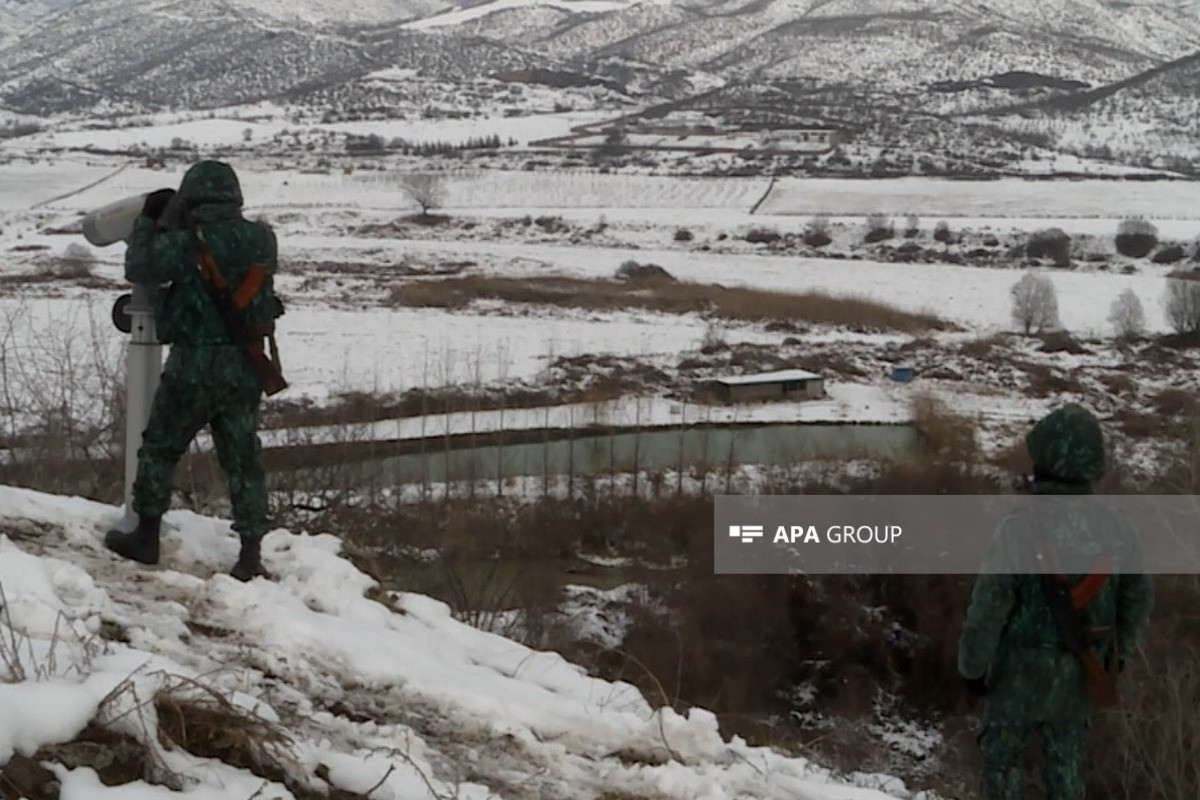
<point x="341" y="335"/>
<point x="1007" y="197"/>
<point x="254" y="129"/>
<point x="397" y="696"/>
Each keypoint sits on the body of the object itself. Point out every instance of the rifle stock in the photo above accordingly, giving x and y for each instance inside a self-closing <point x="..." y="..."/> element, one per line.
<point x="1100" y="682"/>
<point x="230" y="304"/>
<point x="269" y="376"/>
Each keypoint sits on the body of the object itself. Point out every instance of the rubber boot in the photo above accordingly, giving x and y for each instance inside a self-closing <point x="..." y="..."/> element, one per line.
<point x="140" y="544"/>
<point x="249" y="564"/>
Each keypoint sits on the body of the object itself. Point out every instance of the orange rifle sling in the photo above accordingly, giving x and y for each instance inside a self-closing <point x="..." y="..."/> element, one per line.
<point x="255" y="276"/>
<point x="1091" y="584"/>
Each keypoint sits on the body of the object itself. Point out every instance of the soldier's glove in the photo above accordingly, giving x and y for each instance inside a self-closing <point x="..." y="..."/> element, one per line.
<point x="976" y="686"/>
<point x="156" y="203"/>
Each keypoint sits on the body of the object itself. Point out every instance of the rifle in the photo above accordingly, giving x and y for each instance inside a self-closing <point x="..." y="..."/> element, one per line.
<point x="1067" y="604"/>
<point x="231" y="304"/>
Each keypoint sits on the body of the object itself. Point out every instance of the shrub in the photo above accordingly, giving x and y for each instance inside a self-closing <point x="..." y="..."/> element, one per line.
<point x="763" y="236"/>
<point x="552" y="224"/>
<point x="1127" y="316"/>
<point x="1136" y="238"/>
<point x="817" y="238"/>
<point x="1035" y="303"/>
<point x="912" y="226"/>
<point x="634" y="271"/>
<point x="879" y="229"/>
<point x="713" y="340"/>
<point x="683" y="235"/>
<point x="1051" y="243"/>
<point x="1170" y="254"/>
<point x="1182" y="305"/>
<point x="945" y="433"/>
<point x="77" y="262"/>
<point x="817" y="233"/>
<point x="941" y="232"/>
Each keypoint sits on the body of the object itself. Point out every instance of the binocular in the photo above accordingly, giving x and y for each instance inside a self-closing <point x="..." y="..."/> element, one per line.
<point x="114" y="222"/>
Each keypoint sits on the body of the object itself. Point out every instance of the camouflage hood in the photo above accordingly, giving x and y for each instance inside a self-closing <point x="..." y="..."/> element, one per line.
<point x="1068" y="446"/>
<point x="210" y="183"/>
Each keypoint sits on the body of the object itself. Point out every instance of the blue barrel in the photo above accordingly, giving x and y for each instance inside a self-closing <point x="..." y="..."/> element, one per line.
<point x="902" y="374"/>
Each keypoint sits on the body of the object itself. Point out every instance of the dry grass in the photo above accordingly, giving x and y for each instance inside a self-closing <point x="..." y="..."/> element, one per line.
<point x="946" y="434"/>
<point x="747" y="305"/>
<point x="985" y="348"/>
<point x="1014" y="459"/>
<point x="204" y="722"/>
<point x="1150" y="746"/>
<point x="1176" y="402"/>
<point x="1046" y="381"/>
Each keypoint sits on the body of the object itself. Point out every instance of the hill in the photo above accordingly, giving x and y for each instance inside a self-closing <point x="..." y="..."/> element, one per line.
<point x="1152" y="118"/>
<point x="317" y="685"/>
<point x="124" y="54"/>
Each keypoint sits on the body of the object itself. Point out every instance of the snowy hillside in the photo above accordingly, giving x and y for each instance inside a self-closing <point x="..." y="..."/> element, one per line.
<point x="15" y="15"/>
<point x="322" y="684"/>
<point x="118" y="55"/>
<point x="121" y="54"/>
<point x="897" y="42"/>
<point x="1155" y="116"/>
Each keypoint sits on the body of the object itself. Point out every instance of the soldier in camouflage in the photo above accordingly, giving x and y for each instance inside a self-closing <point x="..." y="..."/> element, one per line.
<point x="1011" y="649"/>
<point x="207" y="379"/>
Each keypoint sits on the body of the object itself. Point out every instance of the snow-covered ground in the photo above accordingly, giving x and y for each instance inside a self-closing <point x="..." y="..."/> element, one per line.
<point x="252" y="129"/>
<point x="483" y="191"/>
<point x="343" y="337"/>
<point x="1007" y="197"/>
<point x="394" y="695"/>
<point x="341" y="253"/>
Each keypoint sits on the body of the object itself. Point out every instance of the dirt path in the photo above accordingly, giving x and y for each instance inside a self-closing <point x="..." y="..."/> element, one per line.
<point x="82" y="189"/>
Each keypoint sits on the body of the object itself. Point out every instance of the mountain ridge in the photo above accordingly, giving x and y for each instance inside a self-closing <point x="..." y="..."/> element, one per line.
<point x="119" y="55"/>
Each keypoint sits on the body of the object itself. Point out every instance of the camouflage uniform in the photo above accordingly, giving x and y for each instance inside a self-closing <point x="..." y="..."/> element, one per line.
<point x="207" y="379"/>
<point x="1010" y="639"/>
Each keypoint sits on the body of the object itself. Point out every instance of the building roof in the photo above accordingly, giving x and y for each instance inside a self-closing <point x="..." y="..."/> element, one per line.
<point x="770" y="377"/>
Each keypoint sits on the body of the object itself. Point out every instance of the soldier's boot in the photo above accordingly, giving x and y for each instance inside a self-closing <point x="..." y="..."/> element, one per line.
<point x="140" y="544"/>
<point x="249" y="564"/>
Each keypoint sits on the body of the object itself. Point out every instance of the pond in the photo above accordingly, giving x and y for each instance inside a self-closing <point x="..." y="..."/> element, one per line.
<point x="591" y="452"/>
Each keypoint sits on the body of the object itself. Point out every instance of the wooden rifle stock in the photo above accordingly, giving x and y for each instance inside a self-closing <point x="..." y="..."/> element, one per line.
<point x="1100" y="682"/>
<point x="230" y="304"/>
<point x="1067" y="606"/>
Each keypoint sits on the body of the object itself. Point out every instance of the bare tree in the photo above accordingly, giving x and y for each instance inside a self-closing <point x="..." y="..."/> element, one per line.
<point x="425" y="189"/>
<point x="1127" y="316"/>
<point x="1182" y="304"/>
<point x="1035" y="304"/>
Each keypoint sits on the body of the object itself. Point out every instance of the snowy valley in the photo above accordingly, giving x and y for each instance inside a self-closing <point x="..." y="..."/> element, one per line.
<point x="519" y="244"/>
